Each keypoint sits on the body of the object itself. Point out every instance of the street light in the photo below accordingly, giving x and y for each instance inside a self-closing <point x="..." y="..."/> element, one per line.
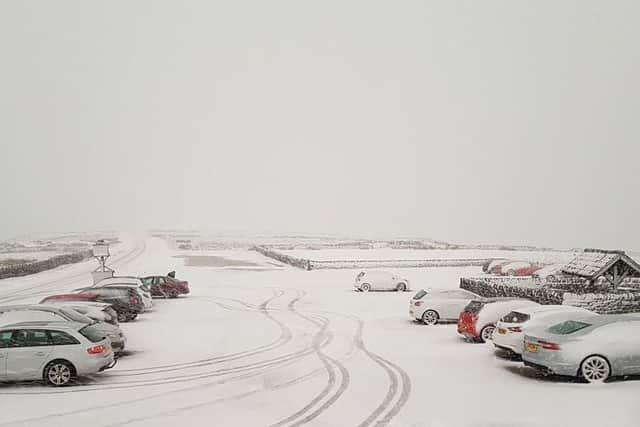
<point x="101" y="253"/>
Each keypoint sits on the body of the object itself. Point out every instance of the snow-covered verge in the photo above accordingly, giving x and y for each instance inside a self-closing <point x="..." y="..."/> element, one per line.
<point x="284" y="346"/>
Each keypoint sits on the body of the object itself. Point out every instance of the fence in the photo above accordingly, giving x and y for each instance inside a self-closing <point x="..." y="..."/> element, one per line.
<point x="47" y="264"/>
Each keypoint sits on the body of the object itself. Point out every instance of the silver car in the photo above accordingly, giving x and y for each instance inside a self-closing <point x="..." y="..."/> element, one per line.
<point x="54" y="351"/>
<point x="593" y="347"/>
<point x="55" y="313"/>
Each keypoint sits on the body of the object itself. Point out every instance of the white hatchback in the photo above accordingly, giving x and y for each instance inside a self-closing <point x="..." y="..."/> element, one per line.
<point x="54" y="351"/>
<point x="435" y="306"/>
<point x="511" y="329"/>
<point x="380" y="281"/>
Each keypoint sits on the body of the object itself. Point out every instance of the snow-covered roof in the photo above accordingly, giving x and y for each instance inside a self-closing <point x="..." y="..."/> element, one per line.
<point x="593" y="263"/>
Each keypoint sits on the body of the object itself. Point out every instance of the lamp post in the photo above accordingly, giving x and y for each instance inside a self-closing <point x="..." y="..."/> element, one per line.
<point x="101" y="253"/>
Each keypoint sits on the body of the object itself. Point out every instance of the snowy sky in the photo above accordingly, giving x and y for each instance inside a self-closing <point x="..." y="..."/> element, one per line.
<point x="497" y="122"/>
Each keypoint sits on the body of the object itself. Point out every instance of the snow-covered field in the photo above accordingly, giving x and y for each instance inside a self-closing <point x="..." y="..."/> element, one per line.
<point x="263" y="344"/>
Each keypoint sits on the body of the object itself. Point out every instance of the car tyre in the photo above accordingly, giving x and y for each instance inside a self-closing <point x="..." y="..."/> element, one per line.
<point x="487" y="333"/>
<point x="511" y="273"/>
<point x="595" y="369"/>
<point x="365" y="287"/>
<point x="401" y="287"/>
<point x="59" y="373"/>
<point x="122" y="317"/>
<point x="430" y="317"/>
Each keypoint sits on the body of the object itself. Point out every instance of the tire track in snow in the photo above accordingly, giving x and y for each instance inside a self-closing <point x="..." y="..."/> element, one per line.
<point x="332" y="366"/>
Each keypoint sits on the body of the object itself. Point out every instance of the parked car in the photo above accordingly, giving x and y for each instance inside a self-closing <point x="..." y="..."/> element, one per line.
<point x="510" y="330"/>
<point x="166" y="286"/>
<point x="100" y="311"/>
<point x="595" y="347"/>
<point x="131" y="282"/>
<point x="54" y="351"/>
<point x="434" y="306"/>
<point x="517" y="268"/>
<point x="380" y="281"/>
<point x="51" y="313"/>
<point x="478" y="319"/>
<point x="550" y="273"/>
<point x="125" y="301"/>
<point x="496" y="266"/>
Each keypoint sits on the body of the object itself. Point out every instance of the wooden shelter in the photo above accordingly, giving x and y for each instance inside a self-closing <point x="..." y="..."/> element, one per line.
<point x="613" y="266"/>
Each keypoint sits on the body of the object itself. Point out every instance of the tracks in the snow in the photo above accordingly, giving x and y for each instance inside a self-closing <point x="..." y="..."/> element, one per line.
<point x="253" y="363"/>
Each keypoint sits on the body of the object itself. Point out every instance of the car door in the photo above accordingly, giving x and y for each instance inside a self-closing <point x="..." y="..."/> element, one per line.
<point x="625" y="338"/>
<point x="27" y="354"/>
<point x="449" y="303"/>
<point x="5" y="337"/>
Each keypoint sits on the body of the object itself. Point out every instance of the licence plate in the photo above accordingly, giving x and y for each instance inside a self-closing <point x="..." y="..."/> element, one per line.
<point x="533" y="348"/>
<point x="502" y="331"/>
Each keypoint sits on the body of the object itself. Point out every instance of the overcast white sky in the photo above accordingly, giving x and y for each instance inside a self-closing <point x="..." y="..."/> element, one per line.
<point x="496" y="122"/>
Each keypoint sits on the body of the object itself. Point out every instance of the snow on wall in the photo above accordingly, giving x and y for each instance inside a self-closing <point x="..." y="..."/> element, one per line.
<point x="47" y="264"/>
<point x="628" y="302"/>
<point x="523" y="288"/>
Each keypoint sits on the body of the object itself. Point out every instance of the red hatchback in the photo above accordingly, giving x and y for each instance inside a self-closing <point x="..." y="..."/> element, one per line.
<point x="165" y="286"/>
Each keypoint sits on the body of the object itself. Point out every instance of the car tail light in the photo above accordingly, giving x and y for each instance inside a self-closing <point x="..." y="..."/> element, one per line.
<point x="134" y="300"/>
<point x="96" y="349"/>
<point x="417" y="303"/>
<point x="549" y="345"/>
<point x="515" y="329"/>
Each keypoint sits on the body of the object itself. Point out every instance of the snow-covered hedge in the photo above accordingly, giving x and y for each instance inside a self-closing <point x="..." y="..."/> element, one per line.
<point x="512" y="287"/>
<point x="293" y="261"/>
<point x="47" y="264"/>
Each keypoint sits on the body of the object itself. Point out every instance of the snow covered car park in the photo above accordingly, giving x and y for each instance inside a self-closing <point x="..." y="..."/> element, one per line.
<point x="304" y="349"/>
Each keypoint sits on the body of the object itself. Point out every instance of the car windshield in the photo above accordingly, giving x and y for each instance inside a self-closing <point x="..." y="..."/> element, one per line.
<point x="568" y="327"/>
<point x="420" y="294"/>
<point x="515" y="317"/>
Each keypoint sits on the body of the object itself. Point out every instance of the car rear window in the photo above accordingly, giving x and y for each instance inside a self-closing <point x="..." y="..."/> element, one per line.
<point x="568" y="327"/>
<point x="92" y="333"/>
<point x="516" y="317"/>
<point x="474" y="307"/>
<point x="76" y="316"/>
<point x="420" y="294"/>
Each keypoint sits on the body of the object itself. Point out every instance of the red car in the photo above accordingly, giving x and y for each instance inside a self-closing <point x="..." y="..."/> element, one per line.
<point x="166" y="286"/>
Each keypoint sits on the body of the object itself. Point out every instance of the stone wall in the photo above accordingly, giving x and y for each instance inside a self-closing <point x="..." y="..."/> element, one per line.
<point x="511" y="288"/>
<point x="628" y="302"/>
<point x="47" y="264"/>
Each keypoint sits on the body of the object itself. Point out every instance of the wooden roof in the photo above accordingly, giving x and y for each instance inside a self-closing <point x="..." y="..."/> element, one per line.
<point x="593" y="263"/>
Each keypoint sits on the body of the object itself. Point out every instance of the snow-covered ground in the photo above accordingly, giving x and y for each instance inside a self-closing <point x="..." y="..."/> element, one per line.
<point x="273" y="345"/>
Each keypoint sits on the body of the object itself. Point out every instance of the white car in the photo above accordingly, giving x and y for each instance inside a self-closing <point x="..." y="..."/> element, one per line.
<point x="434" y="306"/>
<point x="11" y="314"/>
<point x="129" y="282"/>
<point x="380" y="281"/>
<point x="510" y="330"/>
<point x="54" y="351"/>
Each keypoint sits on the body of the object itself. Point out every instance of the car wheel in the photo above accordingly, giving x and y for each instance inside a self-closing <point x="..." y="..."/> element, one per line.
<point x="487" y="333"/>
<point x="365" y="287"/>
<point x="132" y="316"/>
<point x="401" y="287"/>
<point x="59" y="373"/>
<point x="550" y="278"/>
<point x="430" y="317"/>
<point x="122" y="317"/>
<point x="173" y="294"/>
<point x="511" y="273"/>
<point x="595" y="369"/>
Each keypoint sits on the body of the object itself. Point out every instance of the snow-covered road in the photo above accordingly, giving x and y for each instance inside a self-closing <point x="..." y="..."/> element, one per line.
<point x="274" y="346"/>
